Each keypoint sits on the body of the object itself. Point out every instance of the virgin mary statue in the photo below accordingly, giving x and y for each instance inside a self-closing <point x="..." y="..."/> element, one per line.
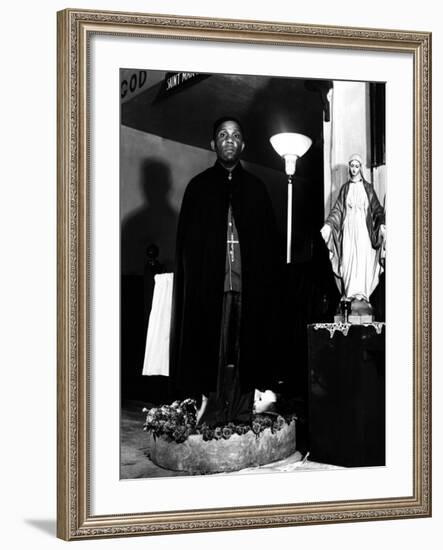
<point x="355" y="234"/>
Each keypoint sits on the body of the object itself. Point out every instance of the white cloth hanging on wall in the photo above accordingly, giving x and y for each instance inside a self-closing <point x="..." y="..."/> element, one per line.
<point x="157" y="340"/>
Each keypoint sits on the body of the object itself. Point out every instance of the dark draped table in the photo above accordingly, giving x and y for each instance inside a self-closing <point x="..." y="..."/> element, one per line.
<point x="347" y="393"/>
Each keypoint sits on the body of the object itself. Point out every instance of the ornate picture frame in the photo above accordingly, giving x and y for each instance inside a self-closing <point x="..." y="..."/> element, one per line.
<point x="76" y="518"/>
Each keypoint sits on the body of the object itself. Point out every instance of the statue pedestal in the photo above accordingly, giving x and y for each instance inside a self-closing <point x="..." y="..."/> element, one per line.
<point x="355" y="319"/>
<point x="223" y="455"/>
<point x="360" y="313"/>
<point x="347" y="394"/>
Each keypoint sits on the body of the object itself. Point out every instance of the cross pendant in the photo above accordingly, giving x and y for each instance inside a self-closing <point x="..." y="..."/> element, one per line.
<point x="231" y="243"/>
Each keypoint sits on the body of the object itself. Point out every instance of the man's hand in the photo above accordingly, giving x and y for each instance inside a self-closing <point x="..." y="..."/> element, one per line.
<point x="202" y="408"/>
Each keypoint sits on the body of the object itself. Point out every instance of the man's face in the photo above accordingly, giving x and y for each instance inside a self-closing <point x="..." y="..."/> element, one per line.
<point x="228" y="143"/>
<point x="354" y="168"/>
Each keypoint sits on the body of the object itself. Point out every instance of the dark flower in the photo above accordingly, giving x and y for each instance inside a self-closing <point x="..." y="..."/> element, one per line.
<point x="281" y="422"/>
<point x="256" y="427"/>
<point x="180" y="434"/>
<point x="176" y="421"/>
<point x="267" y="422"/>
<point x="218" y="433"/>
<point x="169" y="426"/>
<point x="189" y="407"/>
<point x="242" y="429"/>
<point x="227" y="432"/>
<point x="207" y="432"/>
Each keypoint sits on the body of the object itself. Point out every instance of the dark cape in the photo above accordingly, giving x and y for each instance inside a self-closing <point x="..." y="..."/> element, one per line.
<point x="199" y="281"/>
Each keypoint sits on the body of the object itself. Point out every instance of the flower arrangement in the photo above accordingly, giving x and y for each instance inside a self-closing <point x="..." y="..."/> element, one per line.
<point x="176" y="422"/>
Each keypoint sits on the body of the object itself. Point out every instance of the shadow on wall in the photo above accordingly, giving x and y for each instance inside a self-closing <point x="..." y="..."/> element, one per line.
<point x="153" y="222"/>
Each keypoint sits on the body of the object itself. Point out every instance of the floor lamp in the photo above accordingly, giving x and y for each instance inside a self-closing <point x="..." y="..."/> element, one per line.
<point x="291" y="147"/>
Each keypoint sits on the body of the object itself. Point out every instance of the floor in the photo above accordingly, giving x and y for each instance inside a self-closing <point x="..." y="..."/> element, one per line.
<point x="135" y="462"/>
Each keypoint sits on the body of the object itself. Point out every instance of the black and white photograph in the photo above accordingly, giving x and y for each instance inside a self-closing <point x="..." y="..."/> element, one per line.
<point x="221" y="265"/>
<point x="253" y="256"/>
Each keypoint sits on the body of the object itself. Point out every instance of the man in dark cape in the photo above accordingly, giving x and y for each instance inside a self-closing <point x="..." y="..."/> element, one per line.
<point x="224" y="311"/>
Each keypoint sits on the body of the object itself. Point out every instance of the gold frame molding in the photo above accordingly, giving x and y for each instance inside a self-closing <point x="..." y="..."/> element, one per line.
<point x="75" y="27"/>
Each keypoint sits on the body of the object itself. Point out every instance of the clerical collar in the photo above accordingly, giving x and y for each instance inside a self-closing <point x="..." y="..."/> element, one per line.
<point x="222" y="170"/>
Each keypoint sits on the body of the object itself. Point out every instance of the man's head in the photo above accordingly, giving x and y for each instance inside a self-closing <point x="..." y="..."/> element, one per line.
<point x="228" y="141"/>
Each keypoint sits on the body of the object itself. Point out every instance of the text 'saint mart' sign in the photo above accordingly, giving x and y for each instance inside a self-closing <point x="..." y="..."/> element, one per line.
<point x="176" y="82"/>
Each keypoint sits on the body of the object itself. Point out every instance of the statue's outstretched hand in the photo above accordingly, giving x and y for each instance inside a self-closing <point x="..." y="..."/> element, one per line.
<point x="383" y="241"/>
<point x="202" y="408"/>
<point x="383" y="235"/>
<point x="326" y="232"/>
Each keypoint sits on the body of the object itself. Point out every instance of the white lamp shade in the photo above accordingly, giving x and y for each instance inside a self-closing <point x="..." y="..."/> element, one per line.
<point x="289" y="143"/>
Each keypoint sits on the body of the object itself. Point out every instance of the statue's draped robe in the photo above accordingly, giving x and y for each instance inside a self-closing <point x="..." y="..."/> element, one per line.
<point x="200" y="276"/>
<point x="355" y="240"/>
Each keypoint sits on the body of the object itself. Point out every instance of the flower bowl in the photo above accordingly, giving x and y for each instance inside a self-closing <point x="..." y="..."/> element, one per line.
<point x="196" y="455"/>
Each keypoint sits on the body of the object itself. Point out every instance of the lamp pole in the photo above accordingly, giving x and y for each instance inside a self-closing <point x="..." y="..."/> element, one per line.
<point x="289" y="221"/>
